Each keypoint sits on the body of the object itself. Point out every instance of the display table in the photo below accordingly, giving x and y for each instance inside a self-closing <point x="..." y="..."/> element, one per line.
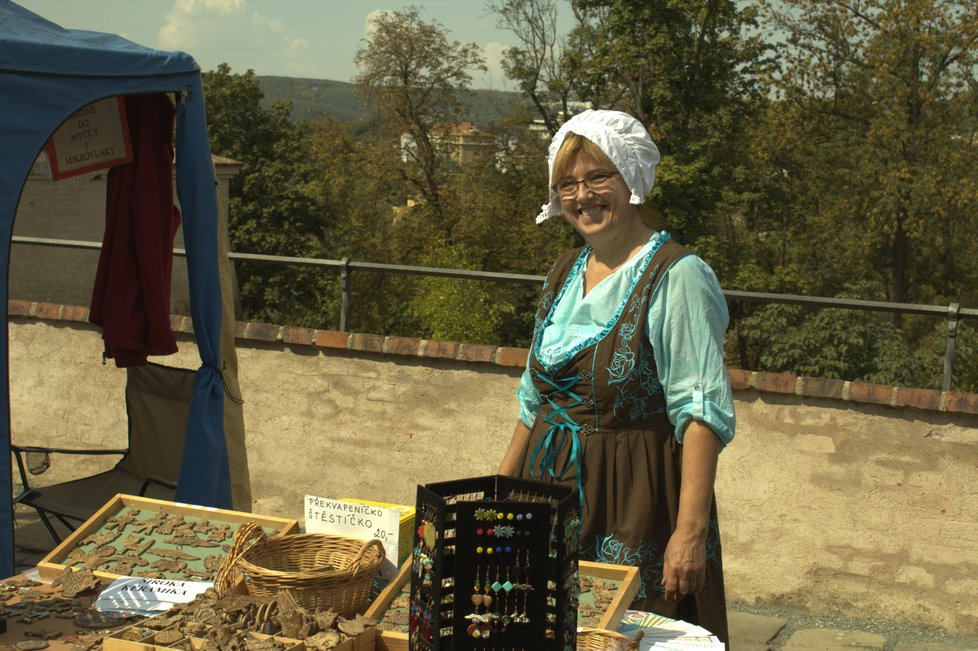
<point x="160" y="546"/>
<point x="40" y="616"/>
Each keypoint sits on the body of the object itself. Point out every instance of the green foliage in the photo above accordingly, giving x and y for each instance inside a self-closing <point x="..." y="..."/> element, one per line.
<point x="690" y="71"/>
<point x="312" y="99"/>
<point x="883" y="111"/>
<point x="271" y="211"/>
<point x="829" y="343"/>
<point x="840" y="164"/>
<point x="411" y="76"/>
<point x="457" y="310"/>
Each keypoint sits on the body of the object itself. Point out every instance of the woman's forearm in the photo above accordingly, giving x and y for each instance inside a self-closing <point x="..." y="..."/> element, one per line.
<point x="701" y="448"/>
<point x="513" y="459"/>
<point x="684" y="565"/>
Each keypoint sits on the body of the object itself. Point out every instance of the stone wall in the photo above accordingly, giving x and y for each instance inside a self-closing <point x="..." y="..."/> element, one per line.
<point x="834" y="496"/>
<point x="74" y="210"/>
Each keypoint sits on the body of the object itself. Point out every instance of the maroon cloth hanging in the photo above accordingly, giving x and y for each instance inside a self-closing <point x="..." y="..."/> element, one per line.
<point x="131" y="298"/>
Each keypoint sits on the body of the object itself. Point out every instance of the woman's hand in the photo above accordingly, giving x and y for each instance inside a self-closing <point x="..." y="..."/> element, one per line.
<point x="684" y="568"/>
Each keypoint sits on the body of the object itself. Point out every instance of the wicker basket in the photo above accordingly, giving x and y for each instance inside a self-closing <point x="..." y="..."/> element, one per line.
<point x="323" y="571"/>
<point x="599" y="639"/>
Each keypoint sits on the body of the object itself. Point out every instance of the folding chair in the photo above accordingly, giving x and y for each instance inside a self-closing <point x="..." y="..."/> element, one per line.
<point x="157" y="403"/>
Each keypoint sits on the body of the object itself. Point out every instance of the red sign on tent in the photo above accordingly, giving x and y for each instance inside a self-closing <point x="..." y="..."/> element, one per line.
<point x="93" y="138"/>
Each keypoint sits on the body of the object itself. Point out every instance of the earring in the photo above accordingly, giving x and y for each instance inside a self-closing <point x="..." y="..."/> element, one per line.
<point x="476" y="590"/>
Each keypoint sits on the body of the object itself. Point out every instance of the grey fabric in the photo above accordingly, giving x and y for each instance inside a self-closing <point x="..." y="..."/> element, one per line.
<point x="157" y="403"/>
<point x="234" y="427"/>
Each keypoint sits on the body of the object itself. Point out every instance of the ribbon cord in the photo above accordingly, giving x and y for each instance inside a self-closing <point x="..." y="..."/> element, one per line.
<point x="549" y="447"/>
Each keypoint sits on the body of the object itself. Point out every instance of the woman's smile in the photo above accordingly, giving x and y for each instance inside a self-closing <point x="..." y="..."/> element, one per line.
<point x="593" y="211"/>
<point x="599" y="211"/>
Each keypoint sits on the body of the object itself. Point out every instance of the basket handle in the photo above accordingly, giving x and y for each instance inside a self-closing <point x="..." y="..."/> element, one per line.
<point x="247" y="536"/>
<point x="355" y="565"/>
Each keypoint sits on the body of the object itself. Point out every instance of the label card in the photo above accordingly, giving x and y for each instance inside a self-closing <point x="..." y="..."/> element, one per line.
<point x="136" y="595"/>
<point x="94" y="137"/>
<point x="358" y="521"/>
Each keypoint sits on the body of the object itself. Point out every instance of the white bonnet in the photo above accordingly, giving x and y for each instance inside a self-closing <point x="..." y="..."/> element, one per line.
<point x="622" y="138"/>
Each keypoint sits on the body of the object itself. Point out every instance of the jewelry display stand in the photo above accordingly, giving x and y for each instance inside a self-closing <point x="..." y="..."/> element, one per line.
<point x="618" y="586"/>
<point x="494" y="566"/>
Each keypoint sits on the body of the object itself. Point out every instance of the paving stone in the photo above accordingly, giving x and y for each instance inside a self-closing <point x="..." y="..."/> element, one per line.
<point x="833" y="639"/>
<point x="750" y="632"/>
<point x="930" y="646"/>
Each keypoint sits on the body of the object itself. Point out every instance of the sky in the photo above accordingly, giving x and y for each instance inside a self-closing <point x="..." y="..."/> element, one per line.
<point x="292" y="38"/>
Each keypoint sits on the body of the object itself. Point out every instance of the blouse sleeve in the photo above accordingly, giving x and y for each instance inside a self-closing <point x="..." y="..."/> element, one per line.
<point x="528" y="397"/>
<point x="687" y="321"/>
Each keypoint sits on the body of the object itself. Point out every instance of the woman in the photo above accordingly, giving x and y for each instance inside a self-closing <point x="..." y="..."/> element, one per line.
<point x="625" y="394"/>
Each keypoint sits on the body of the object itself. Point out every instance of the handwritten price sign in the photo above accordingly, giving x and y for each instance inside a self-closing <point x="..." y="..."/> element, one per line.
<point x="357" y="521"/>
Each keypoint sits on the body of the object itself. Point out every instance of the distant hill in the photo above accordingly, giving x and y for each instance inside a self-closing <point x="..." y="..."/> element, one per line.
<point x="311" y="98"/>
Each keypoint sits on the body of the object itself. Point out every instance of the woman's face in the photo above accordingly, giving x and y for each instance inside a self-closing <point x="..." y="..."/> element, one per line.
<point x="599" y="212"/>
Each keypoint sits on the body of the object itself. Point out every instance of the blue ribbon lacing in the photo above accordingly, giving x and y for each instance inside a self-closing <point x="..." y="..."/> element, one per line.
<point x="562" y="429"/>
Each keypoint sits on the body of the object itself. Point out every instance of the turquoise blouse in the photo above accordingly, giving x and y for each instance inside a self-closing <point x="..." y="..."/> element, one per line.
<point x="686" y="325"/>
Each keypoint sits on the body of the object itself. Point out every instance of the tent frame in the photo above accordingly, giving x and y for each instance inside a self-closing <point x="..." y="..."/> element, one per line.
<point x="47" y="73"/>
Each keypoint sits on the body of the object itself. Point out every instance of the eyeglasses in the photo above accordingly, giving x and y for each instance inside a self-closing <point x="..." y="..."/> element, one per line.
<point x="567" y="188"/>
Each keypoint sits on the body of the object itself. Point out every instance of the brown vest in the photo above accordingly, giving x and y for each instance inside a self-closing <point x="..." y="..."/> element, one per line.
<point x="611" y="384"/>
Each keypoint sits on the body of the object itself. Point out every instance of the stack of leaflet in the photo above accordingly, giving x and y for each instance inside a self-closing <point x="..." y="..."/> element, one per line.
<point x="662" y="633"/>
<point x="147" y="597"/>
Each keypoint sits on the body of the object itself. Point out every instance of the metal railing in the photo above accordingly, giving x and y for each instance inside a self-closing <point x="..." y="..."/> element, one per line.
<point x="953" y="312"/>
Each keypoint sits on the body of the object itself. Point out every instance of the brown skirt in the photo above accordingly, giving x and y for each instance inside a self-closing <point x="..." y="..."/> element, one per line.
<point x="631" y="500"/>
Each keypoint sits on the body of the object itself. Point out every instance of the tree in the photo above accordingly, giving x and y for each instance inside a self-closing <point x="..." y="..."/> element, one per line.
<point x="688" y="69"/>
<point x="354" y="181"/>
<point x="414" y="79"/>
<point x="888" y="91"/>
<point x="536" y="64"/>
<point x="272" y="210"/>
<point x="495" y="199"/>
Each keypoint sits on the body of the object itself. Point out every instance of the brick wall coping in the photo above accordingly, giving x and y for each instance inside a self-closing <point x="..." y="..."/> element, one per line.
<point x="740" y="380"/>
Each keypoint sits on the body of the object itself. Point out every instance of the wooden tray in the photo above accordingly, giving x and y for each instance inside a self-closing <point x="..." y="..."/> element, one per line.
<point x="16" y="631"/>
<point x="366" y="641"/>
<point x="116" y="643"/>
<point x="51" y="565"/>
<point x="625" y="576"/>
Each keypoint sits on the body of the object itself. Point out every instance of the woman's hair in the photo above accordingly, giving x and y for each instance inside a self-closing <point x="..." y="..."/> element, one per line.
<point x="653" y="217"/>
<point x="575" y="145"/>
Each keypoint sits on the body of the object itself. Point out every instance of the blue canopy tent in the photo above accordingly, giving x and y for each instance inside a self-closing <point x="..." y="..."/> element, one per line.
<point x="46" y="74"/>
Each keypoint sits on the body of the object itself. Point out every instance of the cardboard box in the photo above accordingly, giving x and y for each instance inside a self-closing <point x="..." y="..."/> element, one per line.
<point x="51" y="565"/>
<point x="624" y="576"/>
<point x="405" y="534"/>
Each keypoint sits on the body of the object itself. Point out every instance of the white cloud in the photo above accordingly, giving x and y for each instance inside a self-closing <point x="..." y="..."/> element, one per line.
<point x="178" y="32"/>
<point x="301" y="59"/>
<point x="224" y="7"/>
<point x="494" y="77"/>
<point x="229" y="30"/>
<point x="370" y="26"/>
<point x="189" y="18"/>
